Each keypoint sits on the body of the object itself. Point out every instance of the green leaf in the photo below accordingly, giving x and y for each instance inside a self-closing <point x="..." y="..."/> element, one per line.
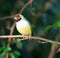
<point x="1" y="49"/>
<point x="7" y="49"/>
<point x="57" y="24"/>
<point x="48" y="27"/>
<point x="12" y="55"/>
<point x="19" y="43"/>
<point x="16" y="52"/>
<point x="2" y="55"/>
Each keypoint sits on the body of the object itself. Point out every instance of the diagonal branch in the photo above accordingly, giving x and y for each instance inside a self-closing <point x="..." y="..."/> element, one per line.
<point x="29" y="2"/>
<point x="8" y="44"/>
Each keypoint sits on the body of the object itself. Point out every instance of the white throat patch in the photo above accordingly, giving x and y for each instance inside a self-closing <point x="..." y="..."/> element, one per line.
<point x="21" y="23"/>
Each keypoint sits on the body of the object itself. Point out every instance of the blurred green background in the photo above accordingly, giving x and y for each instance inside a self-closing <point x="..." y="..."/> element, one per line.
<point x="44" y="17"/>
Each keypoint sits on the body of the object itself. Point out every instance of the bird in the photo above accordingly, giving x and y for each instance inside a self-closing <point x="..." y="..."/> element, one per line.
<point x="23" y="25"/>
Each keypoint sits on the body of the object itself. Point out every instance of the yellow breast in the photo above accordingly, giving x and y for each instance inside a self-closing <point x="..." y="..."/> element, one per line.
<point x="25" y="30"/>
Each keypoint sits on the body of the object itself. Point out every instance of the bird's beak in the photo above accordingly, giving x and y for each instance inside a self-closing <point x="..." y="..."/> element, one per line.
<point x="15" y="18"/>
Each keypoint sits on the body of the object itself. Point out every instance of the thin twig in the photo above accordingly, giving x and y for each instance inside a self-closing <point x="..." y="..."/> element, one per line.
<point x="32" y="37"/>
<point x="3" y="18"/>
<point x="29" y="2"/>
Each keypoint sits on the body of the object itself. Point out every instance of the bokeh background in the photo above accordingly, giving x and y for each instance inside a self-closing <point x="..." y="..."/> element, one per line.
<point x="44" y="17"/>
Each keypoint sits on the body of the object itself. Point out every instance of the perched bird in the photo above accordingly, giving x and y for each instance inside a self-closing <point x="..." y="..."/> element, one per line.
<point x="22" y="25"/>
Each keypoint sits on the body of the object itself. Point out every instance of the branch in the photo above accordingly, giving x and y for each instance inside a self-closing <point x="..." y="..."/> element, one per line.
<point x="32" y="37"/>
<point x="3" y="18"/>
<point x="53" y="51"/>
<point x="9" y="40"/>
<point x="29" y="2"/>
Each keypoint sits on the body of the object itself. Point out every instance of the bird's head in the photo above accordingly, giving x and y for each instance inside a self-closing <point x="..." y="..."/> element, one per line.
<point x="17" y="17"/>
